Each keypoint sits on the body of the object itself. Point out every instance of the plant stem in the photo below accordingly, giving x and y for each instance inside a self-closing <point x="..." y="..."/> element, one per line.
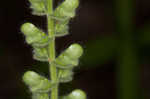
<point x="51" y="50"/>
<point x="128" y="68"/>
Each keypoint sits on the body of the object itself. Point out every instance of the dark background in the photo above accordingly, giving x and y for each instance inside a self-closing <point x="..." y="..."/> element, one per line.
<point x="95" y="27"/>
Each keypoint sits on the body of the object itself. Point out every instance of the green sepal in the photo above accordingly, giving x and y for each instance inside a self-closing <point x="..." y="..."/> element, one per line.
<point x="38" y="6"/>
<point x="40" y="96"/>
<point x="64" y="62"/>
<point x="59" y="19"/>
<point x="38" y="58"/>
<point x="34" y="36"/>
<point x="66" y="9"/>
<point x="65" y="75"/>
<point x="61" y="29"/>
<point x="37" y="83"/>
<point x="42" y="43"/>
<point x="76" y="94"/>
<point x="70" y="57"/>
<point x="40" y="54"/>
<point x="38" y="13"/>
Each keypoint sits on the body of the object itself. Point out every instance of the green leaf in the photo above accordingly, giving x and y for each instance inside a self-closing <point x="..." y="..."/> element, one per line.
<point x="34" y="36"/>
<point x="37" y="83"/>
<point x="38" y="6"/>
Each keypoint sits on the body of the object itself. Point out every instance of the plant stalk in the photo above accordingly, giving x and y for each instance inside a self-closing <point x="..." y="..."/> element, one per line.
<point x="128" y="67"/>
<point x="51" y="50"/>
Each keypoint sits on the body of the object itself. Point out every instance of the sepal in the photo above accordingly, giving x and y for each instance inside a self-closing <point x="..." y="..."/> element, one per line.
<point x="38" y="6"/>
<point x="64" y="62"/>
<point x="40" y="96"/>
<point x="40" y="54"/>
<point x="65" y="75"/>
<point x="61" y="29"/>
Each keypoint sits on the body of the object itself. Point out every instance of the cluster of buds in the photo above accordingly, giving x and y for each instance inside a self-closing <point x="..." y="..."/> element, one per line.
<point x="40" y="86"/>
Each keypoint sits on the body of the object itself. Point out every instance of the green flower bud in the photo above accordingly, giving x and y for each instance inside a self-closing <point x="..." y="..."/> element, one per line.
<point x="40" y="54"/>
<point x="62" y="14"/>
<point x="38" y="6"/>
<point x="29" y="29"/>
<point x="64" y="62"/>
<point x="34" y="36"/>
<point x="74" y="51"/>
<point x="40" y="96"/>
<point x="65" y="75"/>
<point x="70" y="57"/>
<point x="36" y="82"/>
<point x="76" y="94"/>
<point x="66" y="9"/>
<point x="31" y="78"/>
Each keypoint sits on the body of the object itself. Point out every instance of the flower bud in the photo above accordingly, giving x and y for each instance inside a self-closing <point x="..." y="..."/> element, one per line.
<point x="66" y="9"/>
<point x="36" y="82"/>
<point x="29" y="29"/>
<point x="74" y="51"/>
<point x="34" y="36"/>
<point x="65" y="62"/>
<point x="31" y="78"/>
<point x="70" y="57"/>
<point x="77" y="94"/>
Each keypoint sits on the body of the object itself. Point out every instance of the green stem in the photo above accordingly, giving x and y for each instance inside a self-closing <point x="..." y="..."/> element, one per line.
<point x="51" y="49"/>
<point x="128" y="68"/>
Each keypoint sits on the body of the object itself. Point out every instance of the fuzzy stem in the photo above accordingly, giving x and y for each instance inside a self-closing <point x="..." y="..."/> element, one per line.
<point x="51" y="50"/>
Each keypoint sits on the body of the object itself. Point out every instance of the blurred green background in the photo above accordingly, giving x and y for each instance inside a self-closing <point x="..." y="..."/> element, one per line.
<point x="115" y="35"/>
